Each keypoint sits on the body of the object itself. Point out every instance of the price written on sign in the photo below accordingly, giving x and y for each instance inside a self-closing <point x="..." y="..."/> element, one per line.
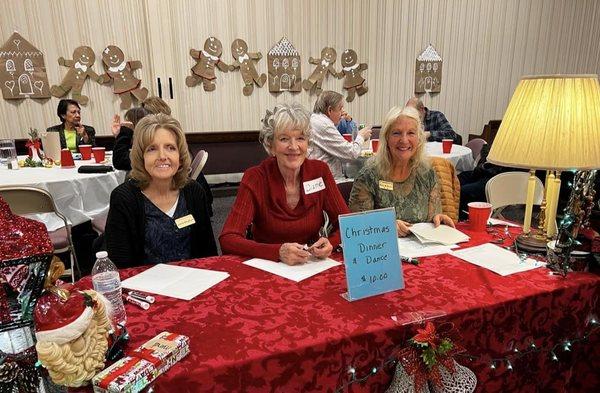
<point x="371" y="254"/>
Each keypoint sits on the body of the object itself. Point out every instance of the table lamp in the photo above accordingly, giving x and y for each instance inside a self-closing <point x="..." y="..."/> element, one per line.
<point x="552" y="123"/>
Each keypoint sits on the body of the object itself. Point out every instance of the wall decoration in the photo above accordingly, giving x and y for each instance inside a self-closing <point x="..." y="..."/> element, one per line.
<point x="323" y="65"/>
<point x="79" y="70"/>
<point x="243" y="61"/>
<point x="283" y="64"/>
<point x="22" y="70"/>
<point x="351" y="72"/>
<point x="428" y="71"/>
<point x="125" y="84"/>
<point x="206" y="60"/>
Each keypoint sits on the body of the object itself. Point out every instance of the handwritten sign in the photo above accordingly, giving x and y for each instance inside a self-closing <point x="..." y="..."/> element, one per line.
<point x="371" y="256"/>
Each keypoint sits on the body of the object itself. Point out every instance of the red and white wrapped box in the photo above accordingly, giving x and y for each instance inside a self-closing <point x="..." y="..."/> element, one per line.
<point x="132" y="373"/>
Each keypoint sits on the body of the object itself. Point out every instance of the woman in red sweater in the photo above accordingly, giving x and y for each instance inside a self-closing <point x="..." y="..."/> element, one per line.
<point x="283" y="200"/>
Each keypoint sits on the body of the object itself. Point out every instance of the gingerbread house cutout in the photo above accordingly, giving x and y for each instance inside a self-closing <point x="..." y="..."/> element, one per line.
<point x="283" y="63"/>
<point x="428" y="71"/>
<point x="22" y="70"/>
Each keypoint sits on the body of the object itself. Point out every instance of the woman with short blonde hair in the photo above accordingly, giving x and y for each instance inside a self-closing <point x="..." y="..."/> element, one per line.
<point x="400" y="175"/>
<point x="158" y="215"/>
<point x="282" y="202"/>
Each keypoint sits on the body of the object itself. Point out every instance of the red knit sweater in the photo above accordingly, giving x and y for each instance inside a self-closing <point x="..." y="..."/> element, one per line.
<point x="261" y="202"/>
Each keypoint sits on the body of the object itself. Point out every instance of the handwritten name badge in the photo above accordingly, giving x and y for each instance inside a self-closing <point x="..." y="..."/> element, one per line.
<point x="313" y="186"/>
<point x="185" y="221"/>
<point x="386" y="185"/>
<point x="371" y="256"/>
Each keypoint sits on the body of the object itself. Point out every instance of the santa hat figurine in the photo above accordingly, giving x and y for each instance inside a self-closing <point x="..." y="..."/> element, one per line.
<point x="72" y="329"/>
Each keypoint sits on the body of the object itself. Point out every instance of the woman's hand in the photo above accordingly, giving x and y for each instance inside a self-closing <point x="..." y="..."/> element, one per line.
<point x="293" y="254"/>
<point x="365" y="132"/>
<point x="80" y="129"/>
<point x="321" y="249"/>
<point x="115" y="125"/>
<point x="403" y="228"/>
<point x="442" y="219"/>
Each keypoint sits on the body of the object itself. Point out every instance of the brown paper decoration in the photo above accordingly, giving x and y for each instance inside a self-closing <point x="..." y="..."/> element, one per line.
<point x="80" y="68"/>
<point x="428" y="71"/>
<point x="352" y="74"/>
<point x="22" y="70"/>
<point x="206" y="60"/>
<point x="125" y="84"/>
<point x="283" y="65"/>
<point x="323" y="65"/>
<point x="243" y="61"/>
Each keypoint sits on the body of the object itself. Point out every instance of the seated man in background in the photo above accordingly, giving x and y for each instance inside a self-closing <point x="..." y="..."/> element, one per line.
<point x="435" y="124"/>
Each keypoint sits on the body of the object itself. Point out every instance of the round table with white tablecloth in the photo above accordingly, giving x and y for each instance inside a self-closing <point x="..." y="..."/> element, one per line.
<point x="460" y="156"/>
<point x="79" y="196"/>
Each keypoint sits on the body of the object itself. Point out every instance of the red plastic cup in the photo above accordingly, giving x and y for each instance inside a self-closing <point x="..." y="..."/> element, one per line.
<point x="447" y="146"/>
<point x="347" y="137"/>
<point x="86" y="152"/>
<point x="66" y="159"/>
<point x="375" y="145"/>
<point x="99" y="154"/>
<point x="479" y="213"/>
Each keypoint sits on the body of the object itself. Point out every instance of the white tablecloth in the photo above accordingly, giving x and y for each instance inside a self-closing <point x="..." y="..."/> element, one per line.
<point x="460" y="156"/>
<point x="79" y="196"/>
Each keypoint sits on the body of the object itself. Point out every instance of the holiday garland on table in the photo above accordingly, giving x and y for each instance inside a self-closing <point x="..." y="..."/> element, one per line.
<point x="444" y="352"/>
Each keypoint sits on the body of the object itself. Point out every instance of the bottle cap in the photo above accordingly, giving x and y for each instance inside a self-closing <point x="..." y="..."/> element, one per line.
<point x="101" y="254"/>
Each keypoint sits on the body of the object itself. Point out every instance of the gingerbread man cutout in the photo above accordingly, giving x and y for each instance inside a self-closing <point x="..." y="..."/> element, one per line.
<point x="204" y="70"/>
<point x="351" y="71"/>
<point x="324" y="65"/>
<point x="125" y="84"/>
<point x="243" y="61"/>
<point x="79" y="70"/>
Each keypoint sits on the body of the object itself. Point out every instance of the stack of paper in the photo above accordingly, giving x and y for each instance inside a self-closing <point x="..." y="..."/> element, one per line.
<point x="411" y="247"/>
<point x="175" y="281"/>
<point x="426" y="232"/>
<point x="295" y="273"/>
<point x="497" y="259"/>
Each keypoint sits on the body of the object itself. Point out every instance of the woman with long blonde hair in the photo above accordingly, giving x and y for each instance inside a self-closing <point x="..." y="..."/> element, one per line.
<point x="400" y="175"/>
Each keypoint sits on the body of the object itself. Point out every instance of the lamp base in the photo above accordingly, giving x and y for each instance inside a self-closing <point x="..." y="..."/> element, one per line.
<point x="532" y="242"/>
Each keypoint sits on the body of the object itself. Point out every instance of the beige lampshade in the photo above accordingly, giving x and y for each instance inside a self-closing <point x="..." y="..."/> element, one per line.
<point x="552" y="122"/>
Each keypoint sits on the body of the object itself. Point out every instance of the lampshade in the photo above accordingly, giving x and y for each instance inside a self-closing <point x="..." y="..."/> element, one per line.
<point x="552" y="122"/>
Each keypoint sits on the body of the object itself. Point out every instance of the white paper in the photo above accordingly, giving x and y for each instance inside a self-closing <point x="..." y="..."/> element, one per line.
<point x="411" y="247"/>
<point x="175" y="281"/>
<point x="295" y="273"/>
<point x="426" y="232"/>
<point x="495" y="221"/>
<point x="497" y="259"/>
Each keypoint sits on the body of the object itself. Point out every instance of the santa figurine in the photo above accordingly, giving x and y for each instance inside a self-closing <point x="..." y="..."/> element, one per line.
<point x="72" y="329"/>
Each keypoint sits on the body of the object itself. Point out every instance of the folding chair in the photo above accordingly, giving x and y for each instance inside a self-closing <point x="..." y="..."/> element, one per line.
<point x="29" y="200"/>
<point x="198" y="164"/>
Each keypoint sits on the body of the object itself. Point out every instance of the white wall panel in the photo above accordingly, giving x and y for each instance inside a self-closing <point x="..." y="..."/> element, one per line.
<point x="486" y="45"/>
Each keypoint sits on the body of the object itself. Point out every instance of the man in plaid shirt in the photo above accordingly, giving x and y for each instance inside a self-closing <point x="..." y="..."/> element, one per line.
<point x="435" y="124"/>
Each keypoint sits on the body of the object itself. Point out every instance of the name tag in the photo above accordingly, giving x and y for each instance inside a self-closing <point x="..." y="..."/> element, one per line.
<point x="185" y="221"/>
<point x="386" y="185"/>
<point x="313" y="186"/>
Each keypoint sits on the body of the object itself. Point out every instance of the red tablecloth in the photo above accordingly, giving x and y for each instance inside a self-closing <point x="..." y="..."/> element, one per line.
<point x="259" y="332"/>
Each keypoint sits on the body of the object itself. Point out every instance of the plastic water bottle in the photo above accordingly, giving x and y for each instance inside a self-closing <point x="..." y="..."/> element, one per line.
<point x="106" y="280"/>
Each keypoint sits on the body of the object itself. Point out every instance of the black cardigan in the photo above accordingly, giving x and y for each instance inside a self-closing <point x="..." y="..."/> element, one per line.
<point x="125" y="225"/>
<point x="60" y="128"/>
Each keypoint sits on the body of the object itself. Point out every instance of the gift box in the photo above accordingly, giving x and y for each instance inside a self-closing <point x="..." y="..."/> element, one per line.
<point x="132" y="373"/>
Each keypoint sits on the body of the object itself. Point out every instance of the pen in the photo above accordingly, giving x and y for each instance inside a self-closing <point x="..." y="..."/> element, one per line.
<point x="141" y="296"/>
<point x="412" y="261"/>
<point x="137" y="302"/>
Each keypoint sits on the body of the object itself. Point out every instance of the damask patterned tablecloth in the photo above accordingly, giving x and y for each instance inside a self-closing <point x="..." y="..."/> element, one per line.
<point x="256" y="332"/>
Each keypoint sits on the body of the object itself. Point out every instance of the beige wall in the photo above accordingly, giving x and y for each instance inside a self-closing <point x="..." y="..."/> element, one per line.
<point x="486" y="46"/>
